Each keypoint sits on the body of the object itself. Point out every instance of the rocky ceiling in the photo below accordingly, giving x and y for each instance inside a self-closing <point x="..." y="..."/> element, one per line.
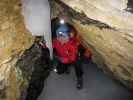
<point x="106" y="27"/>
<point x="111" y="12"/>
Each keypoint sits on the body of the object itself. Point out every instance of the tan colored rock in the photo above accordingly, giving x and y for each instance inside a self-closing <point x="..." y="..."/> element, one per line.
<point x="110" y="12"/>
<point x="14" y="40"/>
<point x="113" y="46"/>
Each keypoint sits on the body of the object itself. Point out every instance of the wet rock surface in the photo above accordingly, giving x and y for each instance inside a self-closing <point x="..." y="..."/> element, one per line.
<point x="35" y="67"/>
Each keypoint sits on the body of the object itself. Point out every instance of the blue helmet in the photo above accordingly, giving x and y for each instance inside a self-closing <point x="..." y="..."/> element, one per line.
<point x="63" y="30"/>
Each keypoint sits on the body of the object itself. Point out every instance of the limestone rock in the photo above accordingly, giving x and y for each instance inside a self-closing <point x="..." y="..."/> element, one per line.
<point x="107" y="28"/>
<point x="15" y="39"/>
<point x="111" y="12"/>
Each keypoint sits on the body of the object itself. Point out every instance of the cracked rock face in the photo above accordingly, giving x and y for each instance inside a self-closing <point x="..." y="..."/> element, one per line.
<point x="21" y="61"/>
<point x="111" y="12"/>
<point x="14" y="40"/>
<point x="105" y="26"/>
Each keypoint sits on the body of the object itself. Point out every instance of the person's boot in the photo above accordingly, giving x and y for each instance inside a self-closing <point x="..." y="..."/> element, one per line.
<point x="79" y="83"/>
<point x="55" y="67"/>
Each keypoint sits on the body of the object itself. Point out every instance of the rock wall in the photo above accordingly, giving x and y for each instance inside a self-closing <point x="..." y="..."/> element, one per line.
<point x="35" y="67"/>
<point x="14" y="40"/>
<point x="107" y="28"/>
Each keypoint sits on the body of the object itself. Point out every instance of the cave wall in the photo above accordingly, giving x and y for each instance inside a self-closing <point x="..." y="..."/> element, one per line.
<point x="106" y="29"/>
<point x="23" y="63"/>
<point x="111" y="12"/>
<point x="35" y="65"/>
<point x="14" y="40"/>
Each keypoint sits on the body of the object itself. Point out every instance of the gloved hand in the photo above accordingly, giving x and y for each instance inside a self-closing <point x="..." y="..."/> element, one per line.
<point x="88" y="54"/>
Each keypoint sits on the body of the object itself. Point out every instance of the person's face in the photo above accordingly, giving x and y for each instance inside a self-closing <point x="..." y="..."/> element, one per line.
<point x="63" y="39"/>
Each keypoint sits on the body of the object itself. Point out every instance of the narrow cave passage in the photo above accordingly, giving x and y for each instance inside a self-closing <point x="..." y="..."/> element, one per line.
<point x="97" y="85"/>
<point x="26" y="70"/>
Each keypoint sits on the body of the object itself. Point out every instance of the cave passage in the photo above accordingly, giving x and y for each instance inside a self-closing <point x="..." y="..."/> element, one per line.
<point x="97" y="85"/>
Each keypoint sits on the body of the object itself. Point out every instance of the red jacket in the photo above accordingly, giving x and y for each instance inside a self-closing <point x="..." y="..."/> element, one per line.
<point x="67" y="52"/>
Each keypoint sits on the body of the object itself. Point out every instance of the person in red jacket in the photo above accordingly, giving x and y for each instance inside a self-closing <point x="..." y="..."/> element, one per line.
<point x="66" y="54"/>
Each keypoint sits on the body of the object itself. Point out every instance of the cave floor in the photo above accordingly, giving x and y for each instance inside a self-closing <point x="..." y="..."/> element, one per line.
<point x="97" y="86"/>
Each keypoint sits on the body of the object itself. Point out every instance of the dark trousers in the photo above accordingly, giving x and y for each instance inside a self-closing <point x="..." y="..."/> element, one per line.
<point x="62" y="68"/>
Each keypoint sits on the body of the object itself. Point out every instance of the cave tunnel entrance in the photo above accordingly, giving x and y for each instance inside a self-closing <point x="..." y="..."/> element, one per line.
<point x="97" y="85"/>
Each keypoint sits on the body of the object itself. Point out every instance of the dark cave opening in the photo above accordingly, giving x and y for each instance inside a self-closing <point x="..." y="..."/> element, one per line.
<point x="130" y="6"/>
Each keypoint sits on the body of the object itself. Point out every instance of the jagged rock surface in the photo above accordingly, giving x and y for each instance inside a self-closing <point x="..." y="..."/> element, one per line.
<point x="15" y="72"/>
<point x="14" y="40"/>
<point x="107" y="29"/>
<point x="35" y="67"/>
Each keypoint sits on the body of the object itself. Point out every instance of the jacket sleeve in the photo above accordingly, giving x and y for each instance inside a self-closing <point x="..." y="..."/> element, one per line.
<point x="88" y="53"/>
<point x="54" y="43"/>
